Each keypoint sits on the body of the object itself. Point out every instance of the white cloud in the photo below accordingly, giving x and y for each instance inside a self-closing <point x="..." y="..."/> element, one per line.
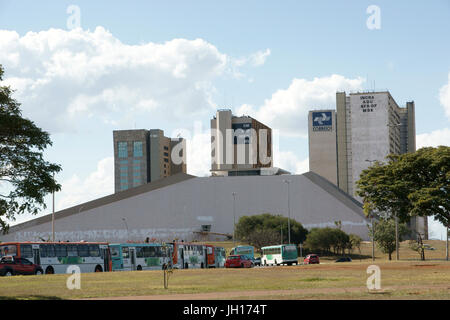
<point x="287" y="109"/>
<point x="287" y="160"/>
<point x="76" y="190"/>
<point x="435" y="138"/>
<point x="65" y="77"/>
<point x="444" y="97"/>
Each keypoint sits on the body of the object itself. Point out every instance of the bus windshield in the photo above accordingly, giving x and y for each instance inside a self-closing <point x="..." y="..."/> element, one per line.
<point x="8" y="250"/>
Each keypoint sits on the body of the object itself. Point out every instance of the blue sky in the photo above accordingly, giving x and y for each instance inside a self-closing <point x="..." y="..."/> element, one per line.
<point x="254" y="56"/>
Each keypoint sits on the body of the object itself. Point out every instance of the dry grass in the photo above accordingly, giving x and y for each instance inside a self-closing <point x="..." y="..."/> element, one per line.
<point x="399" y="280"/>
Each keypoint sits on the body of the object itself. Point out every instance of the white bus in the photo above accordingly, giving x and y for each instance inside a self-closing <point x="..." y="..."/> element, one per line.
<point x="56" y="257"/>
<point x="279" y="254"/>
<point x="189" y="255"/>
<point x="139" y="256"/>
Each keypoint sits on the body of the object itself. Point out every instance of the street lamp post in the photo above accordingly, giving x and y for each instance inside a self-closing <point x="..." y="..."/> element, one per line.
<point x="289" y="212"/>
<point x="234" y="218"/>
<point x="396" y="125"/>
<point x="371" y="222"/>
<point x="126" y="226"/>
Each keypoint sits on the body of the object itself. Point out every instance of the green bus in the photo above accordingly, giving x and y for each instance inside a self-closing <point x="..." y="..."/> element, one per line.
<point x="279" y="254"/>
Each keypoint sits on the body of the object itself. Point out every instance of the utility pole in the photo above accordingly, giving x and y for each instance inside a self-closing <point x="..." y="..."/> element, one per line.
<point x="396" y="238"/>
<point x="234" y="218"/>
<point x="446" y="246"/>
<point x="53" y="214"/>
<point x="289" y="212"/>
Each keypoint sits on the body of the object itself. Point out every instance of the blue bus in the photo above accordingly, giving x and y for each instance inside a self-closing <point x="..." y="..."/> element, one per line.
<point x="248" y="251"/>
<point x="139" y="256"/>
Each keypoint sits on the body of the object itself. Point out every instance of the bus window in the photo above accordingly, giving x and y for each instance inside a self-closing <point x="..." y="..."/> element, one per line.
<point x="158" y="252"/>
<point x="94" y="250"/>
<point x="83" y="250"/>
<point x="115" y="252"/>
<point x="139" y="252"/>
<point x="43" y="250"/>
<point x="26" y="251"/>
<point x="8" y="250"/>
<point x="61" y="250"/>
<point x="72" y="250"/>
<point x="125" y="253"/>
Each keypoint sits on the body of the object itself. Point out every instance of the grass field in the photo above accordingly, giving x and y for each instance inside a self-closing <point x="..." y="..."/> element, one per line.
<point x="405" y="279"/>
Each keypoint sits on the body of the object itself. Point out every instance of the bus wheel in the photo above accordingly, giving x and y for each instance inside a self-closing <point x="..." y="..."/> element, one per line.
<point x="202" y="265"/>
<point x="9" y="273"/>
<point x="49" y="270"/>
<point x="139" y="268"/>
<point x="98" y="269"/>
<point x="38" y="272"/>
<point x="186" y="266"/>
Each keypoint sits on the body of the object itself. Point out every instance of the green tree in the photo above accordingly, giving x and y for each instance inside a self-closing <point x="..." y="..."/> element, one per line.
<point x="384" y="234"/>
<point x="355" y="242"/>
<point x="411" y="184"/>
<point x="328" y="240"/>
<point x="277" y="224"/>
<point x="25" y="177"/>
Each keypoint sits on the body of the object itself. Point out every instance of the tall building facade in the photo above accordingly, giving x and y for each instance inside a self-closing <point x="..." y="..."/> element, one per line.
<point x="240" y="145"/>
<point x="364" y="128"/>
<point x="142" y="156"/>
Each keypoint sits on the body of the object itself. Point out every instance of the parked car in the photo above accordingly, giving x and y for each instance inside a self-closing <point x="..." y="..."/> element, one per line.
<point x="344" y="259"/>
<point x="11" y="265"/>
<point x="238" y="261"/>
<point x="311" y="259"/>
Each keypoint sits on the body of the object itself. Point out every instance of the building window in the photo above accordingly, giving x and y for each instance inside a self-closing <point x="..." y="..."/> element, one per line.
<point x="166" y="148"/>
<point x="166" y="160"/>
<point x="166" y="154"/>
<point x="123" y="149"/>
<point x="137" y="149"/>
<point x="123" y="161"/>
<point x="124" y="173"/>
<point x="136" y="173"/>
<point x="136" y="181"/>
<point x="123" y="187"/>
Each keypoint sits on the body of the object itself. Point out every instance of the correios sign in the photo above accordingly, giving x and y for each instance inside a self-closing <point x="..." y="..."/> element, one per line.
<point x="322" y="121"/>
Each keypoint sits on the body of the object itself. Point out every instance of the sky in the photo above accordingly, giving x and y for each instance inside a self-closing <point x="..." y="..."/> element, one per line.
<point x="82" y="69"/>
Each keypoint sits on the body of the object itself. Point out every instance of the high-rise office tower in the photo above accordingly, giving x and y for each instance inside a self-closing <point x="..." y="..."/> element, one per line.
<point x="142" y="156"/>
<point x="240" y="145"/>
<point x="364" y="128"/>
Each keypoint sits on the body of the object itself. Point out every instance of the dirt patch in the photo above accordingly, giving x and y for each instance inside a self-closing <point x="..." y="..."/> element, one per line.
<point x="278" y="293"/>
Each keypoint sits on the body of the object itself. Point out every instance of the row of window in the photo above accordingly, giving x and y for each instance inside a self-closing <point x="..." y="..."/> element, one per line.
<point x="123" y="149"/>
<point x="272" y="251"/>
<point x="61" y="250"/>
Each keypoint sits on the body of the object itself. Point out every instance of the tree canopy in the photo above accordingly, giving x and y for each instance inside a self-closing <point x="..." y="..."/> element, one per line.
<point x="25" y="177"/>
<point x="411" y="184"/>
<point x="384" y="235"/>
<point x="253" y="227"/>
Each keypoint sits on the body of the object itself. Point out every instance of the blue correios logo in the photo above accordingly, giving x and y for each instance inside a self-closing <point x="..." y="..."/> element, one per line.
<point x="321" y="118"/>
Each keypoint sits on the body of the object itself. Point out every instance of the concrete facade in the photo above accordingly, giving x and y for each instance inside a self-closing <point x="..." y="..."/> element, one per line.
<point x="368" y="126"/>
<point x="178" y="206"/>
<point x="142" y="156"/>
<point x="239" y="144"/>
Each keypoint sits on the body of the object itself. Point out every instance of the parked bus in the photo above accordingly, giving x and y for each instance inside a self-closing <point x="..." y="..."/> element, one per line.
<point x="56" y="257"/>
<point x="138" y="256"/>
<point x="244" y="250"/>
<point x="215" y="256"/>
<point x="189" y="255"/>
<point x="220" y="257"/>
<point x="279" y="254"/>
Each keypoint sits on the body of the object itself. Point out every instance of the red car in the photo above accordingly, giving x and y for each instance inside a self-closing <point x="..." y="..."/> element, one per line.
<point x="238" y="261"/>
<point x="311" y="259"/>
<point x="11" y="265"/>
